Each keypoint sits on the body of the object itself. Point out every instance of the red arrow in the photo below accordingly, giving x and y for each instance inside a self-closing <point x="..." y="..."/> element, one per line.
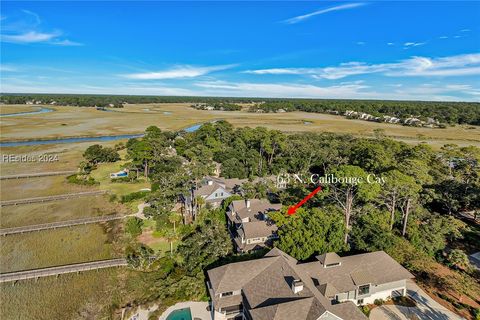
<point x="292" y="210"/>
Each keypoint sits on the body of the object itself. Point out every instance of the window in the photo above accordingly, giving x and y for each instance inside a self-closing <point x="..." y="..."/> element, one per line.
<point x="216" y="195"/>
<point x="332" y="264"/>
<point x="226" y="294"/>
<point x="360" y="301"/>
<point x="364" y="290"/>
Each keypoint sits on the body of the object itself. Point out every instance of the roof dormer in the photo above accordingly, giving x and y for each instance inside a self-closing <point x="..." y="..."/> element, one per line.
<point x="329" y="260"/>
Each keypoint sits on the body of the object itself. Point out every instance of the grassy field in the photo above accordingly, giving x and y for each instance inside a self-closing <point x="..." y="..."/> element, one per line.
<point x="57" y="247"/>
<point x="38" y="187"/>
<point x="5" y="109"/>
<point x="71" y="296"/>
<point x="69" y="156"/>
<point x="36" y="213"/>
<point x="72" y="121"/>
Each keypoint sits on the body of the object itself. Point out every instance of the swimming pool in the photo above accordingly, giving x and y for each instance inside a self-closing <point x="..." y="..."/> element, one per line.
<point x="180" y="314"/>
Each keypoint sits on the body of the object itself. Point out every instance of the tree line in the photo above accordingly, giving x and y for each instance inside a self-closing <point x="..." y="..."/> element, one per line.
<point x="445" y="112"/>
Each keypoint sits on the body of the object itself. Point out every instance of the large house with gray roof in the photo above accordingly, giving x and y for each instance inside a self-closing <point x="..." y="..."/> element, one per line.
<point x="278" y="287"/>
<point x="249" y="224"/>
<point x="213" y="192"/>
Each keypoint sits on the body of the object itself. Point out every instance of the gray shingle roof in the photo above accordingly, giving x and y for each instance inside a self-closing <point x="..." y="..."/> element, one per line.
<point x="374" y="267"/>
<point x="329" y="258"/>
<point x="266" y="286"/>
<point x="257" y="229"/>
<point x="207" y="189"/>
<point x="256" y="206"/>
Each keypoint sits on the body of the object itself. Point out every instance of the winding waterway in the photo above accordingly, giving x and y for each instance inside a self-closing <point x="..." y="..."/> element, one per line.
<point x="41" y="110"/>
<point x="82" y="139"/>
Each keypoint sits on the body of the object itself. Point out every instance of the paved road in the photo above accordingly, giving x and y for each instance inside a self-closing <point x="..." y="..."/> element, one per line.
<point x="58" y="224"/>
<point x="53" y="271"/>
<point x="50" y="198"/>
<point x="426" y="309"/>
<point x="39" y="174"/>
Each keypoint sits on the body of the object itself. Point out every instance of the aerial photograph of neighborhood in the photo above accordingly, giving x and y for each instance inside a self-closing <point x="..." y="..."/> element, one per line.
<point x="239" y="160"/>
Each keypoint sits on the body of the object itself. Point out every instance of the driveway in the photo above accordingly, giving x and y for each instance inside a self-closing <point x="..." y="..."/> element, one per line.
<point x="427" y="308"/>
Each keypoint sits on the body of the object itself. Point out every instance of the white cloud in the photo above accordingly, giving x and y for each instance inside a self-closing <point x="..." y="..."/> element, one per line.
<point x="390" y="44"/>
<point x="346" y="90"/>
<point x="7" y="68"/>
<point x="293" y="90"/>
<point x="185" y="71"/>
<point x="66" y="43"/>
<point x="361" y="43"/>
<point x="29" y="37"/>
<point x="460" y="65"/>
<point x="407" y="45"/>
<point x="301" y="18"/>
<point x="443" y="37"/>
<point x="27" y="31"/>
<point x="354" y="90"/>
<point x="465" y="30"/>
<point x="34" y="15"/>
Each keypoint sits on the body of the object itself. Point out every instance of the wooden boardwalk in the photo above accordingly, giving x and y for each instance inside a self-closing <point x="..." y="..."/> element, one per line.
<point x="59" y="224"/>
<point x="50" y="198"/>
<point x="36" y="175"/>
<point x="55" y="271"/>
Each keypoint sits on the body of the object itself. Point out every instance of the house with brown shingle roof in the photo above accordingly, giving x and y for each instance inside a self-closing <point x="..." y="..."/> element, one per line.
<point x="249" y="224"/>
<point x="278" y="287"/>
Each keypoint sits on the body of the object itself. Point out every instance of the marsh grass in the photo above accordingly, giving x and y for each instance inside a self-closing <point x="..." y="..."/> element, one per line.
<point x="38" y="187"/>
<point x="57" y="247"/>
<point x="133" y="119"/>
<point x="86" y="295"/>
<point x="75" y="208"/>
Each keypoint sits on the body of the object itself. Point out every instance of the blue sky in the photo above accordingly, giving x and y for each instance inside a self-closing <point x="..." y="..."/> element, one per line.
<point x="325" y="49"/>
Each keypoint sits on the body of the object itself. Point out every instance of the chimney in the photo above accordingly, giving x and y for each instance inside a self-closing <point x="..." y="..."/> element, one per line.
<point x="247" y="203"/>
<point x="210" y="182"/>
<point x="297" y="286"/>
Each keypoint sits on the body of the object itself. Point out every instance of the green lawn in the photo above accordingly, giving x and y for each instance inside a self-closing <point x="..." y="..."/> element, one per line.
<point x="102" y="175"/>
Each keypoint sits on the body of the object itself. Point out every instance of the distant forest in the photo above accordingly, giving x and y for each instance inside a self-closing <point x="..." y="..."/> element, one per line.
<point x="444" y="112"/>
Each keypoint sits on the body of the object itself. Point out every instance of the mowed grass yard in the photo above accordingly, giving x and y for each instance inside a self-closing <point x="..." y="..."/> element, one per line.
<point x="75" y="208"/>
<point x="38" y="187"/>
<point x="70" y="296"/>
<point x="102" y="175"/>
<point x="58" y="247"/>
<point x="73" y="121"/>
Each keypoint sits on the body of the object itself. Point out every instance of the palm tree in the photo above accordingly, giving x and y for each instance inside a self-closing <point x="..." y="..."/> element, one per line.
<point x="173" y="218"/>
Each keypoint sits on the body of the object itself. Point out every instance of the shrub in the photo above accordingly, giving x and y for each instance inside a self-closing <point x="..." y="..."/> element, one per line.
<point x="477" y="314"/>
<point x="366" y="310"/>
<point x="81" y="180"/>
<point x="134" y="226"/>
<point x="378" y="302"/>
<point x="134" y="196"/>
